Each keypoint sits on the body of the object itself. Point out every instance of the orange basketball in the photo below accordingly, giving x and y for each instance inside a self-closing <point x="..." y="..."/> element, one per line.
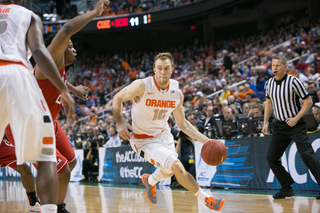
<point x="214" y="152"/>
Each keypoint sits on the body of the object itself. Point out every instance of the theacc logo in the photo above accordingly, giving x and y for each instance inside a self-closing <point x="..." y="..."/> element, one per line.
<point x="289" y="163"/>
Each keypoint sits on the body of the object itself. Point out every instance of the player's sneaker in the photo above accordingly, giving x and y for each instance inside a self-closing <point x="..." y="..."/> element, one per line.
<point x="62" y="208"/>
<point x="151" y="190"/>
<point x="35" y="208"/>
<point x="214" y="204"/>
<point x="318" y="196"/>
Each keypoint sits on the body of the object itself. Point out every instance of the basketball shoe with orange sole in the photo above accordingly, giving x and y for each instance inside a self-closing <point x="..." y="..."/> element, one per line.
<point x="214" y="204"/>
<point x="151" y="190"/>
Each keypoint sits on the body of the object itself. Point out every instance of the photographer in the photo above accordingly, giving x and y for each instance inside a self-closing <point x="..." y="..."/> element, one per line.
<point x="91" y="161"/>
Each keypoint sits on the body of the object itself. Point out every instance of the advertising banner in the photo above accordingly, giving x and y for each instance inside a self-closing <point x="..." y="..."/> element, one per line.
<point x="247" y="167"/>
<point x="123" y="165"/>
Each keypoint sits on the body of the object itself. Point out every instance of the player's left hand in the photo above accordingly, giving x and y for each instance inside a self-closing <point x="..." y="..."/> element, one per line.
<point x="82" y="92"/>
<point x="291" y="121"/>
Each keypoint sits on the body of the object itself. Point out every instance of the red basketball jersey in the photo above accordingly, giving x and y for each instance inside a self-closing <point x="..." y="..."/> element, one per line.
<point x="52" y="94"/>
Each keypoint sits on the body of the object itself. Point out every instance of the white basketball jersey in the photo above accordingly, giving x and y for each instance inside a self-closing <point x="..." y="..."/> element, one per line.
<point x="150" y="115"/>
<point x="14" y="24"/>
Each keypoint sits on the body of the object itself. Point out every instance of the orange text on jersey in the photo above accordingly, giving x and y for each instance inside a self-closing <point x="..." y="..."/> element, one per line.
<point x="5" y="10"/>
<point x="160" y="103"/>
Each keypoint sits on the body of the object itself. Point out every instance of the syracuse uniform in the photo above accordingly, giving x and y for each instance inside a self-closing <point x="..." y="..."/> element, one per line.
<point x="22" y="103"/>
<point x="152" y="139"/>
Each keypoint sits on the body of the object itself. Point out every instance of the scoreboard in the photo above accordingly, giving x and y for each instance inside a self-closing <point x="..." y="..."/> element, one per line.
<point x="105" y="23"/>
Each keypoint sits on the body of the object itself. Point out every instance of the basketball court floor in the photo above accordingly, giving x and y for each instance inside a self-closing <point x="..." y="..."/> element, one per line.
<point x="92" y="198"/>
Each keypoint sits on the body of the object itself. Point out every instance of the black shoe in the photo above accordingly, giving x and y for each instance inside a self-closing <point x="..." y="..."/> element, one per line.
<point x="318" y="196"/>
<point x="62" y="208"/>
<point x="284" y="192"/>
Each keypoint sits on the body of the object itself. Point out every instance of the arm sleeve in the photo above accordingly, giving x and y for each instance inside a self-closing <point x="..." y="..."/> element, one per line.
<point x="266" y="89"/>
<point x="300" y="89"/>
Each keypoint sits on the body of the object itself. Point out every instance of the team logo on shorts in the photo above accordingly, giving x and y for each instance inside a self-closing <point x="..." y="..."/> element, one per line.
<point x="43" y="105"/>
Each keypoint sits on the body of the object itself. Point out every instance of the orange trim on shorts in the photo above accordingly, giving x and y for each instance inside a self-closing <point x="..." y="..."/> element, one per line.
<point x="136" y="148"/>
<point x="47" y="140"/>
<point x="146" y="136"/>
<point x="152" y="161"/>
<point x="5" y="63"/>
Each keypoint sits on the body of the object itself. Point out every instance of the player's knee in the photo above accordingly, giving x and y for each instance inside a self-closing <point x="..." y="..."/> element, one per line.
<point x="177" y="168"/>
<point x="24" y="169"/>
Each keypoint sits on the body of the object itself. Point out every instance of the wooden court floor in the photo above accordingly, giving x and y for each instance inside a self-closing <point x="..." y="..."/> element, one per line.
<point x="111" y="199"/>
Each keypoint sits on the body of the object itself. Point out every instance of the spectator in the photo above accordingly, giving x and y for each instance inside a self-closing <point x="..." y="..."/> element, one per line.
<point x="257" y="110"/>
<point x="316" y="112"/>
<point x="193" y="120"/>
<point x="114" y="140"/>
<point x="246" y="108"/>
<point x="300" y="76"/>
<point x="301" y="65"/>
<point x="229" y="114"/>
<point x="317" y="66"/>
<point x="227" y="62"/>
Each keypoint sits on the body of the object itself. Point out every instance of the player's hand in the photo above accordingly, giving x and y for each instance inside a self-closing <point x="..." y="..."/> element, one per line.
<point x="123" y="131"/>
<point x="101" y="6"/>
<point x="291" y="121"/>
<point x="68" y="104"/>
<point x="82" y="92"/>
<point x="265" y="129"/>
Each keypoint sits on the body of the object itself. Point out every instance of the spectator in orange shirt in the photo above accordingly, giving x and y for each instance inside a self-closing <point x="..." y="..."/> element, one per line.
<point x="124" y="64"/>
<point x="132" y="74"/>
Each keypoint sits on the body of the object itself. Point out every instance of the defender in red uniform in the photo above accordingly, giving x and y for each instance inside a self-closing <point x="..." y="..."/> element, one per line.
<point x="61" y="49"/>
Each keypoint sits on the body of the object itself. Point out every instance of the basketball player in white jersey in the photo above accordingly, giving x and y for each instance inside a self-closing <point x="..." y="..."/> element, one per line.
<point x="153" y="100"/>
<point x="22" y="103"/>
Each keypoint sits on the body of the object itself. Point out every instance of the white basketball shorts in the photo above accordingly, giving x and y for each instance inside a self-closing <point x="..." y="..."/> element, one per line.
<point x="24" y="107"/>
<point x="159" y="150"/>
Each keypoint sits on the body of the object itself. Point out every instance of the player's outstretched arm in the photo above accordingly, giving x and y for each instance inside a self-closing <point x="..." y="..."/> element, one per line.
<point x="131" y="92"/>
<point x="184" y="125"/>
<point x="60" y="42"/>
<point x="45" y="62"/>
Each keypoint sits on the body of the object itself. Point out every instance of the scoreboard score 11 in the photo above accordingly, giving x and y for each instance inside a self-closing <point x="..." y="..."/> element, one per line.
<point x="104" y="24"/>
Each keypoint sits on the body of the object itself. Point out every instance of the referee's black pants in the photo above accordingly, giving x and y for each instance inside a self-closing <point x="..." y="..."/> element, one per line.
<point x="280" y="140"/>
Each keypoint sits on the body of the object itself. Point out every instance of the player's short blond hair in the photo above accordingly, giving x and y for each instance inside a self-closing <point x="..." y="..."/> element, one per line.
<point x="164" y="56"/>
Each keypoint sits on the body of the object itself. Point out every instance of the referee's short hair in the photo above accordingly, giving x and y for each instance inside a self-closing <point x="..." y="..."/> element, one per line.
<point x="282" y="58"/>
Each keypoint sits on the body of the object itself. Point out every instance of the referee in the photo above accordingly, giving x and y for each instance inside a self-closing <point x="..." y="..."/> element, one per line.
<point x="283" y="92"/>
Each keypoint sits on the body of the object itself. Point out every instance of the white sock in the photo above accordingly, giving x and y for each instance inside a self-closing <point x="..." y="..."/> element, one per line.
<point x="201" y="195"/>
<point x="152" y="181"/>
<point x="49" y="208"/>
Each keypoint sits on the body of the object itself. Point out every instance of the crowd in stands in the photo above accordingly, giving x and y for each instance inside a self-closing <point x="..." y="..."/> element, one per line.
<point x="116" y="7"/>
<point x="201" y="71"/>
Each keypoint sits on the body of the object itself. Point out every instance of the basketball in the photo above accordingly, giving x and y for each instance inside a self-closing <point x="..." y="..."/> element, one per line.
<point x="214" y="152"/>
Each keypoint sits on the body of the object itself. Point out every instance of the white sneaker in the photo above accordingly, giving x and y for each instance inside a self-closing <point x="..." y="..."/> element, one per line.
<point x="35" y="208"/>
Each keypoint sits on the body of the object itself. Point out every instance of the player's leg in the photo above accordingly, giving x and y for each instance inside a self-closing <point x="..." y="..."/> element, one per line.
<point x="64" y="146"/>
<point x="8" y="158"/>
<point x="63" y="177"/>
<point x="27" y="180"/>
<point x="32" y="128"/>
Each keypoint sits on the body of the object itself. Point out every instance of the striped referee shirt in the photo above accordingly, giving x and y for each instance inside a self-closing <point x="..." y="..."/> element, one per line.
<point x="285" y="95"/>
